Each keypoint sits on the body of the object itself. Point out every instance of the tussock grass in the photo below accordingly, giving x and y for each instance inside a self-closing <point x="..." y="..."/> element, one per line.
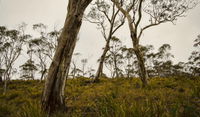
<point x="120" y="97"/>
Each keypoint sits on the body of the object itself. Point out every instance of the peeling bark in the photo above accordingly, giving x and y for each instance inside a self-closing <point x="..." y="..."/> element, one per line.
<point x="53" y="98"/>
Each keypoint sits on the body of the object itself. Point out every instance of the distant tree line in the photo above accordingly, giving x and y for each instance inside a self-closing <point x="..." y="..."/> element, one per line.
<point x="39" y="51"/>
<point x="122" y="62"/>
<point x="119" y="60"/>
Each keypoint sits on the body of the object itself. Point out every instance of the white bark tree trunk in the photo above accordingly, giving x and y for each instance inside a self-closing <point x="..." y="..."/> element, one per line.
<point x="53" y="95"/>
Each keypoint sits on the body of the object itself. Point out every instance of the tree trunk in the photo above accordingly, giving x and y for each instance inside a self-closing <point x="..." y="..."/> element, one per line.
<point x="5" y="86"/>
<point x="111" y="32"/>
<point x="115" y="67"/>
<point x="142" y="70"/>
<point x="74" y="70"/>
<point x="1" y="79"/>
<point x="100" y="68"/>
<point x="128" y="74"/>
<point x="53" y="94"/>
<point x="42" y="75"/>
<point x="6" y="79"/>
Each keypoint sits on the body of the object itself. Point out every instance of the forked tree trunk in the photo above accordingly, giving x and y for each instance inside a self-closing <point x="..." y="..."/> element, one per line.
<point x="53" y="95"/>
<point x="133" y="33"/>
<point x="136" y="48"/>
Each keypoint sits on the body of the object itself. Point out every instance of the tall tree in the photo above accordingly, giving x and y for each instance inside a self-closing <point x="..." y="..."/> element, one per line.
<point x="28" y="69"/>
<point x="149" y="58"/>
<point x="53" y="95"/>
<point x="52" y="42"/>
<point x="40" y="47"/>
<point x="162" y="61"/>
<point x="30" y="52"/>
<point x="129" y="60"/>
<point x="12" y="41"/>
<point x="156" y="12"/>
<point x="114" y="57"/>
<point x="109" y="20"/>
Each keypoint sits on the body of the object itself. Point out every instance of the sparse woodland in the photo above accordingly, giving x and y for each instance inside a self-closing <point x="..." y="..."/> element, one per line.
<point x="137" y="81"/>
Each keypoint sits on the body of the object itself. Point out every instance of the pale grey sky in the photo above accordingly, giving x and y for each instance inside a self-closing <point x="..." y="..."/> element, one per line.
<point x="53" y="12"/>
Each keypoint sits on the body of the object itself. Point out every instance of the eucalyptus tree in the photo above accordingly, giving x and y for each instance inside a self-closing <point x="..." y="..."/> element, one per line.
<point x="162" y="61"/>
<point x="149" y="58"/>
<point x="28" y="70"/>
<point x="114" y="58"/>
<point x="30" y="53"/>
<point x="129" y="62"/>
<point x="164" y="52"/>
<point x="40" y="47"/>
<point x="155" y="12"/>
<point x="52" y="42"/>
<point x="131" y="67"/>
<point x="180" y="69"/>
<point x="108" y="19"/>
<point x="53" y="98"/>
<point x="12" y="42"/>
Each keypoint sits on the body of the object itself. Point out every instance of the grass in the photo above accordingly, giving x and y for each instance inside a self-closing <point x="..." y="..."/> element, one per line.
<point x="120" y="97"/>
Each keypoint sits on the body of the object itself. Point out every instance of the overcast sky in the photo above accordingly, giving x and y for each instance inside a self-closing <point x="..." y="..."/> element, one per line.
<point x="53" y="12"/>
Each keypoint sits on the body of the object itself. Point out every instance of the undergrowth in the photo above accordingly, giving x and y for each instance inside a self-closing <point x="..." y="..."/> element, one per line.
<point x="120" y="97"/>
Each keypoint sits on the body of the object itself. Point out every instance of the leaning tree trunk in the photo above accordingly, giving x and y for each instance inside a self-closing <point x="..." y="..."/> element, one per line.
<point x="136" y="48"/>
<point x="53" y="94"/>
<point x="142" y="69"/>
<point x="103" y="56"/>
<point x="100" y="68"/>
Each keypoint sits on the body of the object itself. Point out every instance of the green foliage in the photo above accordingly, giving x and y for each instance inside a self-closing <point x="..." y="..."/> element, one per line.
<point x="120" y="97"/>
